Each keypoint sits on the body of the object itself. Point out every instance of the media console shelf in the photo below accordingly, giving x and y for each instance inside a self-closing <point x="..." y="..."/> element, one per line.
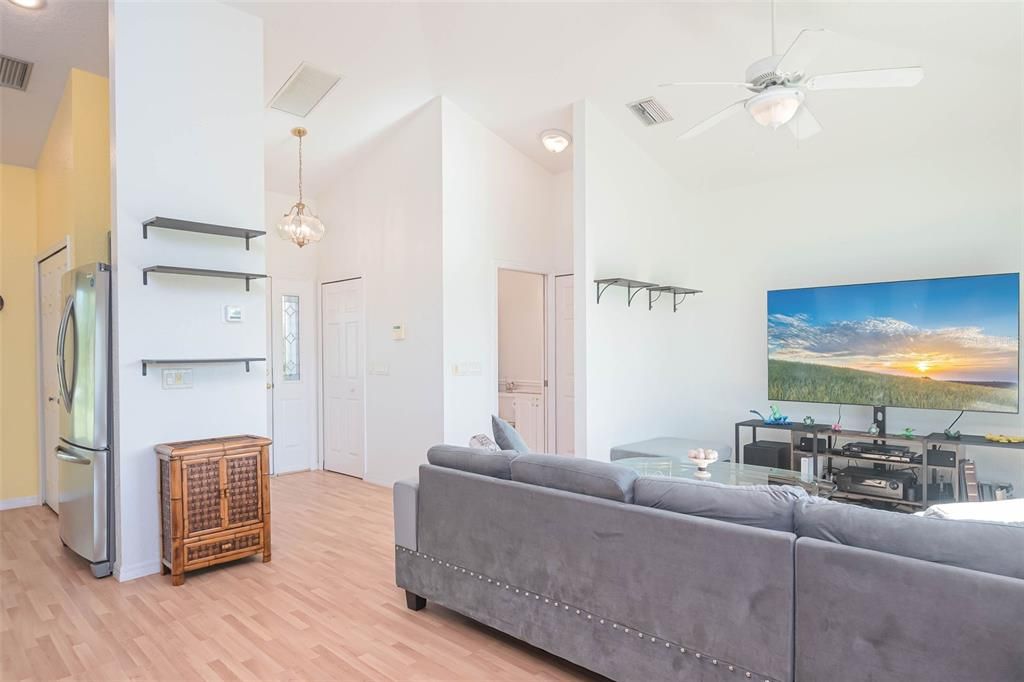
<point x="197" y="272"/>
<point x="200" y="228"/>
<point x="201" y="361"/>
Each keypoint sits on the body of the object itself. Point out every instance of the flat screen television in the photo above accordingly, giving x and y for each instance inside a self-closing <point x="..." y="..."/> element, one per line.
<point x="940" y="344"/>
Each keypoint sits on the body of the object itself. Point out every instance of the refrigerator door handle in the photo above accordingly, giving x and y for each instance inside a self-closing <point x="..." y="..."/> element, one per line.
<point x="62" y="332"/>
<point x="70" y="456"/>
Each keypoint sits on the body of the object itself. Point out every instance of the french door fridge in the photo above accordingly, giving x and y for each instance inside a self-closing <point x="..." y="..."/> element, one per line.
<point x="85" y="465"/>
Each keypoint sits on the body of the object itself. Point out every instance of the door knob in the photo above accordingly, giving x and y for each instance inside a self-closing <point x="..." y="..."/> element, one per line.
<point x="270" y="386"/>
<point x="51" y="398"/>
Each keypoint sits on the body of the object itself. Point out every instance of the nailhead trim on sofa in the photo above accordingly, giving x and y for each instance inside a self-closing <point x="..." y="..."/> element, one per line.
<point x="674" y="648"/>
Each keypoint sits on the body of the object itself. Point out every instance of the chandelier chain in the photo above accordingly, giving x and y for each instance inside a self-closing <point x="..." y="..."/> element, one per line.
<point x="300" y="170"/>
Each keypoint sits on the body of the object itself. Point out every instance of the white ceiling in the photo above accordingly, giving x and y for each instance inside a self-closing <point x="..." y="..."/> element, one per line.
<point x="62" y="35"/>
<point x="517" y="68"/>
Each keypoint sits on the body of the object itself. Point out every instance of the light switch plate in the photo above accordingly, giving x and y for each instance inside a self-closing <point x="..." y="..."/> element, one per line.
<point x="466" y="369"/>
<point x="176" y="378"/>
<point x="397" y="332"/>
<point x="232" y="313"/>
<point x="380" y="369"/>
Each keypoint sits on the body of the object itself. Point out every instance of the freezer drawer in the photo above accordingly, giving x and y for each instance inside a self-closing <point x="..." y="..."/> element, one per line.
<point x="84" y="501"/>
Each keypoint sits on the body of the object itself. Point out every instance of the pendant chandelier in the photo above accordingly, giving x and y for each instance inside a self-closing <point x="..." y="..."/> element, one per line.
<point x="298" y="224"/>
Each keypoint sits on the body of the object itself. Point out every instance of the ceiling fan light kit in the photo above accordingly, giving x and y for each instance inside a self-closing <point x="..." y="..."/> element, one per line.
<point x="779" y="81"/>
<point x="775" y="106"/>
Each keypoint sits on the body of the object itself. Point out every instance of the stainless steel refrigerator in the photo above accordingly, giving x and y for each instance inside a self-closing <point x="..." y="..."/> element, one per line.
<point x="83" y="452"/>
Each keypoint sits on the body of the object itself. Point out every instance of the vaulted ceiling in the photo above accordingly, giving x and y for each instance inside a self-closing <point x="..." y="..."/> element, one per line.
<point x="62" y="35"/>
<point x="517" y="67"/>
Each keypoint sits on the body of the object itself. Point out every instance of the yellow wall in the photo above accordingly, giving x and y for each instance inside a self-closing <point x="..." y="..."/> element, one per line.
<point x="67" y="195"/>
<point x="19" y="456"/>
<point x="73" y="173"/>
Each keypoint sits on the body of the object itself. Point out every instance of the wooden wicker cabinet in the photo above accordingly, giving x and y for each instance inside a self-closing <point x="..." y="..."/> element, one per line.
<point x="214" y="502"/>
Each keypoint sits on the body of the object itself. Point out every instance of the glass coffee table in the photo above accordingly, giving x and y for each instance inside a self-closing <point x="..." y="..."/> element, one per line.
<point x="731" y="473"/>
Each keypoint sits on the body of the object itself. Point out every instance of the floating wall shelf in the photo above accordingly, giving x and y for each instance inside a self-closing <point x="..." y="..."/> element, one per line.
<point x="196" y="272"/>
<point x="634" y="286"/>
<point x="676" y="293"/>
<point x="201" y="361"/>
<point x="200" y="228"/>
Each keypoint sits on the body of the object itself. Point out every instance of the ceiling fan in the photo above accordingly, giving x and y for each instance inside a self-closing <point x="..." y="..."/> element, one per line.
<point x="779" y="81"/>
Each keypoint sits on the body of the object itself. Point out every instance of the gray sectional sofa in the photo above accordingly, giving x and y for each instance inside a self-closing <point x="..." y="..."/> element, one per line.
<point x="665" y="579"/>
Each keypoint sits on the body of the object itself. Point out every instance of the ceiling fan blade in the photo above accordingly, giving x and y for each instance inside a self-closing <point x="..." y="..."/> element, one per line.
<point x="809" y="42"/>
<point x="902" y="77"/>
<point x="804" y="124"/>
<point x="713" y="120"/>
<point x="679" y="83"/>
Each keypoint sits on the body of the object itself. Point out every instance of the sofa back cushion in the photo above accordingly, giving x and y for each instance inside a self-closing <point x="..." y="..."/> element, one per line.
<point x="992" y="548"/>
<point x="582" y="476"/>
<point x="760" y="506"/>
<point x="484" y="462"/>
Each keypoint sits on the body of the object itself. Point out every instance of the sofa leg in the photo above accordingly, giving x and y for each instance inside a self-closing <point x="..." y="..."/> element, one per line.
<point x="414" y="602"/>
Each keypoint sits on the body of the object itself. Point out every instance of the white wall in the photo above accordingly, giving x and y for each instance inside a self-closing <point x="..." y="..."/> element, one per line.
<point x="187" y="108"/>
<point x="383" y="218"/>
<point x="904" y="218"/>
<point x="630" y="221"/>
<point x="499" y="211"/>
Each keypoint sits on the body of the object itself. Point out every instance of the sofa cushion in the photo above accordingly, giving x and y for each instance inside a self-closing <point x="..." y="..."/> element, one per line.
<point x="506" y="436"/>
<point x="484" y="462"/>
<point x="988" y="547"/>
<point x="761" y="506"/>
<point x="583" y="476"/>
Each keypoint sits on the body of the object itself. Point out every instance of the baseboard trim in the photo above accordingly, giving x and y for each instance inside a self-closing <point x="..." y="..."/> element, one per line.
<point x="19" y="502"/>
<point x="139" y="570"/>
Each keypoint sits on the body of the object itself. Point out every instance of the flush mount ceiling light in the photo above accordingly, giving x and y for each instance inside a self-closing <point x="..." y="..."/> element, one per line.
<point x="29" y="4"/>
<point x="299" y="225"/>
<point x="555" y="141"/>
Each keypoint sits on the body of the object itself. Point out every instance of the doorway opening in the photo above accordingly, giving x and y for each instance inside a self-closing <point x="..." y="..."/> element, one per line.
<point x="343" y="377"/>
<point x="50" y="268"/>
<point x="522" y="354"/>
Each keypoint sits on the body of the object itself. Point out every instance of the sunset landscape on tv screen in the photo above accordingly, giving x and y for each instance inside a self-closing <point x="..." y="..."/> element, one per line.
<point x="945" y="344"/>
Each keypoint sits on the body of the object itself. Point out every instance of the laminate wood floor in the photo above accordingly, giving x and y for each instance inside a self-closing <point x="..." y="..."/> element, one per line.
<point x="325" y="608"/>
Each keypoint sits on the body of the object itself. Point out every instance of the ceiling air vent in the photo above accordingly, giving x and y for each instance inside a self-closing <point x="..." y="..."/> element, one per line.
<point x="14" y="73"/>
<point x="650" y="111"/>
<point x="304" y="89"/>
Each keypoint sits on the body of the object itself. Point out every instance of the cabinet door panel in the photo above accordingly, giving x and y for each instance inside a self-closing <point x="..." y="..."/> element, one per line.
<point x="203" y="496"/>
<point x="242" y="474"/>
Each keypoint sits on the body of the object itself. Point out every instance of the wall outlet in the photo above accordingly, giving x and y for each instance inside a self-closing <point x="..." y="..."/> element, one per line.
<point x="232" y="313"/>
<point x="176" y="378"/>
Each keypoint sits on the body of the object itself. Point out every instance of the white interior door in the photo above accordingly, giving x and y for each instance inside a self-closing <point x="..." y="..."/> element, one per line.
<point x="343" y="377"/>
<point x="293" y="325"/>
<point x="565" y="380"/>
<point x="50" y="308"/>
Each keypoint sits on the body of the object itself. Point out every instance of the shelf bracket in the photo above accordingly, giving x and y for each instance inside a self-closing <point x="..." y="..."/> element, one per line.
<point x="143" y="368"/>
<point x="145" y="281"/>
<point x="246" y="365"/>
<point x="651" y="299"/>
<point x="677" y="301"/>
<point x="145" y="231"/>
<point x="247" y="238"/>
<point x="632" y="294"/>
<point x="601" y="290"/>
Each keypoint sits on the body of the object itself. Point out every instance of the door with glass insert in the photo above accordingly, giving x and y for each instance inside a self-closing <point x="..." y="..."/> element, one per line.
<point x="293" y="329"/>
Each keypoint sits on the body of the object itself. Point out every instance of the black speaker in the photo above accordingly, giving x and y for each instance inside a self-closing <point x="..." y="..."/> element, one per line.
<point x="807" y="445"/>
<point x="767" y="453"/>
<point x="941" y="458"/>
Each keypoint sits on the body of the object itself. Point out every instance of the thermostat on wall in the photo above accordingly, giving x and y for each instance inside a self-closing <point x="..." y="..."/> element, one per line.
<point x="397" y="332"/>
<point x="232" y="313"/>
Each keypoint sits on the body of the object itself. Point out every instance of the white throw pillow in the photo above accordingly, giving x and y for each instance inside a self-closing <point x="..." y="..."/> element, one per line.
<point x="1010" y="512"/>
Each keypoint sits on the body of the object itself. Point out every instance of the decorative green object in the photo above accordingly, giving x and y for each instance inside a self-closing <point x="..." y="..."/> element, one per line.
<point x="908" y="432"/>
<point x="808" y="420"/>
